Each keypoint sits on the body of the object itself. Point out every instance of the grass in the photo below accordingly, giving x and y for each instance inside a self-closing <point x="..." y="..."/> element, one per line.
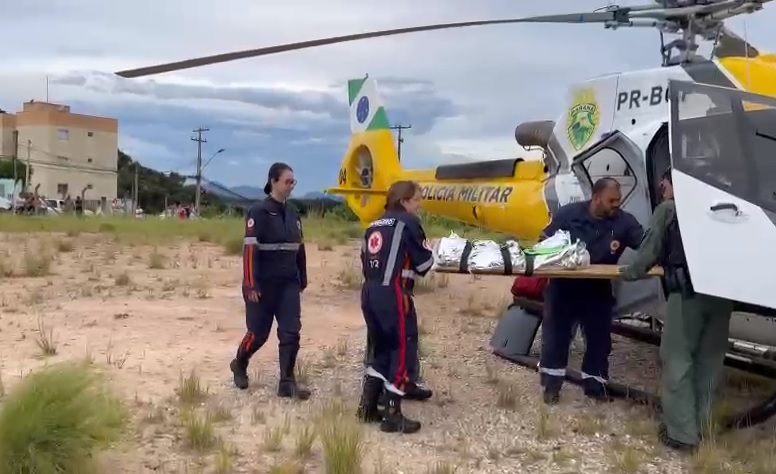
<point x="190" y="390"/>
<point x="56" y="419"/>
<point x="45" y="341"/>
<point x="228" y="232"/>
<point x="199" y="431"/>
<point x="342" y="438"/>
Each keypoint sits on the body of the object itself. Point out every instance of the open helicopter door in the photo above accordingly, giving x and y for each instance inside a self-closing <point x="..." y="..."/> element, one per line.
<point x="618" y="157"/>
<point x="723" y="153"/>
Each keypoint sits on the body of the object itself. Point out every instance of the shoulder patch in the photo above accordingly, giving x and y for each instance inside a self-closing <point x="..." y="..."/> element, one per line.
<point x="374" y="242"/>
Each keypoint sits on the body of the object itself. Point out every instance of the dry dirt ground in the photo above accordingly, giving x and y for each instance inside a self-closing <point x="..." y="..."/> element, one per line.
<point x="151" y="315"/>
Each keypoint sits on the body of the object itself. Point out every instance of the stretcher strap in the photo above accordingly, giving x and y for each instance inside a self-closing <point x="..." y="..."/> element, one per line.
<point x="463" y="266"/>
<point x="529" y="264"/>
<point x="507" y="260"/>
<point x="531" y="254"/>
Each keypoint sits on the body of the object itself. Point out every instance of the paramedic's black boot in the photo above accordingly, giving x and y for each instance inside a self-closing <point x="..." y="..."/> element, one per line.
<point x="417" y="391"/>
<point x="291" y="389"/>
<point x="393" y="419"/>
<point x="288" y="386"/>
<point x="367" y="407"/>
<point x="239" y="368"/>
<point x="551" y="395"/>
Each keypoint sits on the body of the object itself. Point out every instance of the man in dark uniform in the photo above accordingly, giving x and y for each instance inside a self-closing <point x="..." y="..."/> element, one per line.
<point x="695" y="332"/>
<point x="394" y="253"/>
<point x="274" y="276"/>
<point x="606" y="230"/>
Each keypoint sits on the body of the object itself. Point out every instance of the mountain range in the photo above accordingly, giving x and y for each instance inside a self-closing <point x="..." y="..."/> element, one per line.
<point x="252" y="193"/>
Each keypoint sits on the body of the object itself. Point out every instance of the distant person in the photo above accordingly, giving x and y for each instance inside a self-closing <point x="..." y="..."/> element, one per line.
<point x="394" y="252"/>
<point x="69" y="206"/>
<point x="79" y="206"/>
<point x="274" y="276"/>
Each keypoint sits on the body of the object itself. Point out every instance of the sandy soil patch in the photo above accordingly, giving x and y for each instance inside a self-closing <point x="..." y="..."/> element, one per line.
<point x="152" y="315"/>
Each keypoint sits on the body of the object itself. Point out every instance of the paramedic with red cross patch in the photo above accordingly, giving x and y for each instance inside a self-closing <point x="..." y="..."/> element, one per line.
<point x="394" y="252"/>
<point x="274" y="276"/>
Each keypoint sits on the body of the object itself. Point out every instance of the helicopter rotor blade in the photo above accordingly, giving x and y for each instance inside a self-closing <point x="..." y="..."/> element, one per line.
<point x="654" y="15"/>
<point x="595" y="17"/>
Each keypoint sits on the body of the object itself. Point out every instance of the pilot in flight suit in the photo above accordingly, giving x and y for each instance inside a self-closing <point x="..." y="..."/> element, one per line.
<point x="606" y="230"/>
<point x="695" y="332"/>
<point x="394" y="253"/>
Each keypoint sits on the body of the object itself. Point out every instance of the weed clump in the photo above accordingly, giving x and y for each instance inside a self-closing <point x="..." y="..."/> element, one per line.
<point x="56" y="419"/>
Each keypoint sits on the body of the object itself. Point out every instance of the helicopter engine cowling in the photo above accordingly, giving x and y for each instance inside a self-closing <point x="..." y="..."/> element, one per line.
<point x="535" y="133"/>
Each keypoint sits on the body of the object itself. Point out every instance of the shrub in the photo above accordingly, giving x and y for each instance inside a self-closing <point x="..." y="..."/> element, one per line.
<point x="56" y="419"/>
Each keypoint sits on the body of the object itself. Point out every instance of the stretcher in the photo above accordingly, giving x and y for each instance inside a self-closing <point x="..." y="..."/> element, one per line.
<point x="601" y="272"/>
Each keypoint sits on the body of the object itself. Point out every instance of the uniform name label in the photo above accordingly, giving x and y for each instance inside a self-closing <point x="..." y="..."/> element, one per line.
<point x="453" y="193"/>
<point x="638" y="98"/>
<point x="387" y="222"/>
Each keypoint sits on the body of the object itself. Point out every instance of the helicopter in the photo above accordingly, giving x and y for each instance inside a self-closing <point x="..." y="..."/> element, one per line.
<point x="713" y="120"/>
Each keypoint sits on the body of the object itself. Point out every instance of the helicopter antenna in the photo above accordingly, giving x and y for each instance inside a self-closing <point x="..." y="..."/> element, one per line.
<point x="746" y="55"/>
<point x="664" y="55"/>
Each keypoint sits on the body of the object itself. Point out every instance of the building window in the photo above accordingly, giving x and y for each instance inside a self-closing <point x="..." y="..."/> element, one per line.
<point x="62" y="189"/>
<point x="63" y="134"/>
<point x="64" y="158"/>
<point x="88" y="160"/>
<point x="89" y="134"/>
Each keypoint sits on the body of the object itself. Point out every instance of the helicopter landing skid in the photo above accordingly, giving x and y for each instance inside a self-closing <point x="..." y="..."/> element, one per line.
<point x="528" y="316"/>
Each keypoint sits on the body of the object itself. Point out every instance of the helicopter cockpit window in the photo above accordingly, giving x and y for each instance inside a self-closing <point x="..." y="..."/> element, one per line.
<point x="609" y="162"/>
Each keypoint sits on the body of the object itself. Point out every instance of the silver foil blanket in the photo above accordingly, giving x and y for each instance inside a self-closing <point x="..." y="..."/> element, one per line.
<point x="487" y="256"/>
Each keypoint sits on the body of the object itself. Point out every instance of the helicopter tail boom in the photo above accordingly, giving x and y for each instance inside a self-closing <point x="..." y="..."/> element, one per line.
<point x="371" y="162"/>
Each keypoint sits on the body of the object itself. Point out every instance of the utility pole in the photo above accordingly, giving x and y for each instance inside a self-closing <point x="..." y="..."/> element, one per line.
<point x="15" y="159"/>
<point x="400" y="140"/>
<point x="199" y="141"/>
<point x="135" y="199"/>
<point x="27" y="178"/>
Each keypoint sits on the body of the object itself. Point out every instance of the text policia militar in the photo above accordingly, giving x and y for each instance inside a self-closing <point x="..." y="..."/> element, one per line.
<point x="457" y="193"/>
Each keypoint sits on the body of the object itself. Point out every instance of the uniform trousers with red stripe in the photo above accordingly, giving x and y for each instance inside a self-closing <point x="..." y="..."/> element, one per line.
<point x="392" y="324"/>
<point x="279" y="300"/>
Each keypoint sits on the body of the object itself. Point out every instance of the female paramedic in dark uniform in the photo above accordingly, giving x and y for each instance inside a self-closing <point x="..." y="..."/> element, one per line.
<point x="393" y="253"/>
<point x="274" y="276"/>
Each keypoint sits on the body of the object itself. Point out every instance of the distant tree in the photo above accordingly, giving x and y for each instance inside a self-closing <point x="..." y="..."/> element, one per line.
<point x="6" y="170"/>
<point x="154" y="186"/>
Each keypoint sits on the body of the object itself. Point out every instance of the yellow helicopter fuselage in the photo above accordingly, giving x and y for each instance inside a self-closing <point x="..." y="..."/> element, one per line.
<point x="509" y="200"/>
<point x="516" y="196"/>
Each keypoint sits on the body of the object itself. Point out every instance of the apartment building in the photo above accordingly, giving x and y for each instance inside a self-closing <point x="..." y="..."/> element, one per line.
<point x="69" y="154"/>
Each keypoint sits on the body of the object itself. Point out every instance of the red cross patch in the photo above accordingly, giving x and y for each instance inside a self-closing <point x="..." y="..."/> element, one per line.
<point x="375" y="242"/>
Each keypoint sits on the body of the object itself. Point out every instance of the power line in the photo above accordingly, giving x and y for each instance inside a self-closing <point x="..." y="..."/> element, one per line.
<point x="400" y="140"/>
<point x="200" y="140"/>
<point x="220" y="150"/>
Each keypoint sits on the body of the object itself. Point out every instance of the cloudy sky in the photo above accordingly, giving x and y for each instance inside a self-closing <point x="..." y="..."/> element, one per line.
<point x="463" y="91"/>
